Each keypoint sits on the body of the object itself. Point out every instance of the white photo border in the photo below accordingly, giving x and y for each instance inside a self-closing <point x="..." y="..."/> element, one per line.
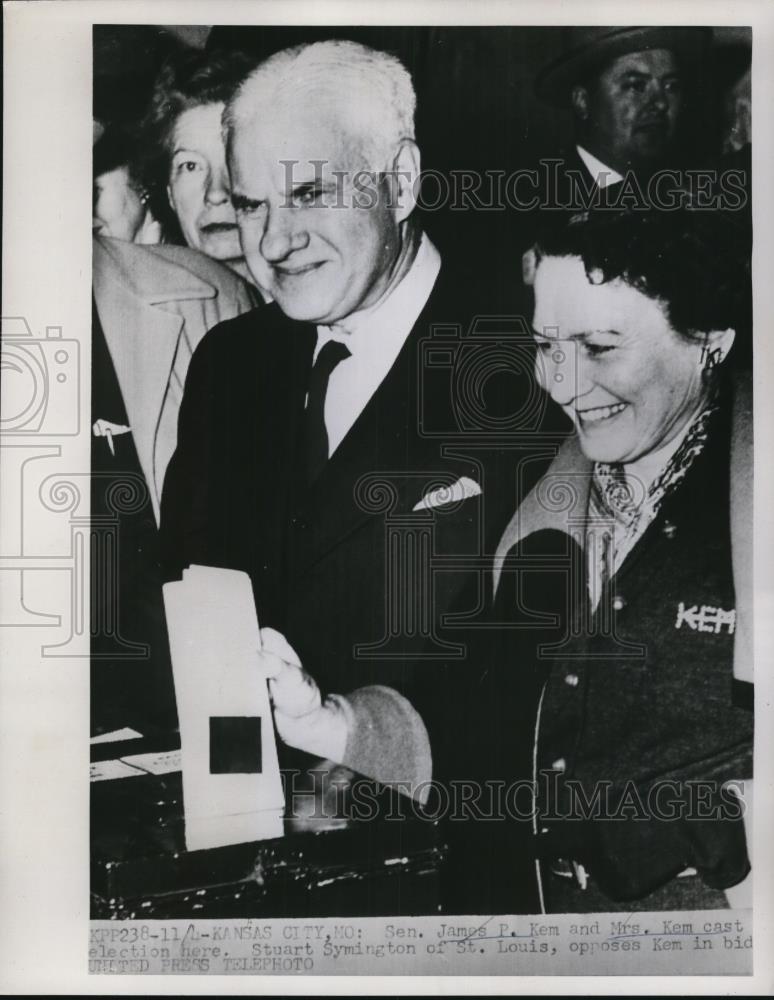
<point x="44" y="807"/>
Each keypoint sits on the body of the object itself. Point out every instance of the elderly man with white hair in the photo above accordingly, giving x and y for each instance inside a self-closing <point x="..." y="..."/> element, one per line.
<point x="327" y="131"/>
<point x="311" y="450"/>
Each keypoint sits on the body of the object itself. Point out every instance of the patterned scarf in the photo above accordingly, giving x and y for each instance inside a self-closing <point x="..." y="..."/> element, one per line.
<point x="620" y="509"/>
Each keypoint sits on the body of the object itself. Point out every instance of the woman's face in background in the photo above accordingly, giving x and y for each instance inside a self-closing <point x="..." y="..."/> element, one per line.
<point x="117" y="209"/>
<point x="199" y="190"/>
<point x="608" y="355"/>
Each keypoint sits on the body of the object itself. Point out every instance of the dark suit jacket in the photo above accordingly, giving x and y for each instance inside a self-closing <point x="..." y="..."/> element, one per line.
<point x="318" y="556"/>
<point x="364" y="587"/>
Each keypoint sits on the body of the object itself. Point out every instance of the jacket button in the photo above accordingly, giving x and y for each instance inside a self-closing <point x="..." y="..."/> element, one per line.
<point x="560" y="764"/>
<point x="618" y="603"/>
<point x="669" y="529"/>
<point x="571" y="680"/>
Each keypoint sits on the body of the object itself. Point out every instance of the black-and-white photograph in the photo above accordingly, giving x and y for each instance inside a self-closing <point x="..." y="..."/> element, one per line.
<point x="497" y="556"/>
<point x="414" y="562"/>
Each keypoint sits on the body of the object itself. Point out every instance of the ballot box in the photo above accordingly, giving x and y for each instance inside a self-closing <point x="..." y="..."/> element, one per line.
<point x="207" y="822"/>
<point x="330" y="862"/>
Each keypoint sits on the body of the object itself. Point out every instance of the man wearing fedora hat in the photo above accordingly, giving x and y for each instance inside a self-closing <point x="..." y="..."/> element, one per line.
<point x="627" y="89"/>
<point x="631" y="91"/>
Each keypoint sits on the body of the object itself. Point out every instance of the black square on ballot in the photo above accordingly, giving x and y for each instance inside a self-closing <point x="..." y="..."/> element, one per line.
<point x="235" y="744"/>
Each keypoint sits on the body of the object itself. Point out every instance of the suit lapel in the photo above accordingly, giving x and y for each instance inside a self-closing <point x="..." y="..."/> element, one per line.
<point x="559" y="500"/>
<point x="284" y="389"/>
<point x="383" y="446"/>
<point x="138" y="298"/>
<point x="142" y="340"/>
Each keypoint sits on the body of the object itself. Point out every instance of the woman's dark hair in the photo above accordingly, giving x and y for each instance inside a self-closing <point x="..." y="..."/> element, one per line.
<point x="116" y="147"/>
<point x="695" y="262"/>
<point x="186" y="80"/>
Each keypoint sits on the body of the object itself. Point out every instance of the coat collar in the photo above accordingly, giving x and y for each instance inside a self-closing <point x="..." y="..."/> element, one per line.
<point x="135" y="290"/>
<point x="570" y="471"/>
<point x="559" y="497"/>
<point x="146" y="274"/>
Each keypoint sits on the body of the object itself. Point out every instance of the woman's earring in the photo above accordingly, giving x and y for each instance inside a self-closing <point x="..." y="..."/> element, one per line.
<point x="710" y="359"/>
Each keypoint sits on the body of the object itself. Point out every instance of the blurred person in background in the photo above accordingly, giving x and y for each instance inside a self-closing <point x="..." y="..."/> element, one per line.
<point x="127" y="59"/>
<point x="732" y="75"/>
<point x="629" y="90"/>
<point x="120" y="202"/>
<point x="633" y="94"/>
<point x="151" y="307"/>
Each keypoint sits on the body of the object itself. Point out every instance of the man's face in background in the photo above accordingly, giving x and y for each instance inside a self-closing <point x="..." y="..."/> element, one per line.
<point x="323" y="248"/>
<point x="630" y="112"/>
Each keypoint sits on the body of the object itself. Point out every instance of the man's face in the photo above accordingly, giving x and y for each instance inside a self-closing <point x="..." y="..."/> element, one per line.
<point x="609" y="357"/>
<point x="322" y="248"/>
<point x="633" y="108"/>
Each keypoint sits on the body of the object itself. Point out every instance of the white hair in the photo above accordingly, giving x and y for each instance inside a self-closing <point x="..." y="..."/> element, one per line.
<point x="372" y="90"/>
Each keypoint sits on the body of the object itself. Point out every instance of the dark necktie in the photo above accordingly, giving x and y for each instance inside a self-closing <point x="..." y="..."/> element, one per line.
<point x="330" y="355"/>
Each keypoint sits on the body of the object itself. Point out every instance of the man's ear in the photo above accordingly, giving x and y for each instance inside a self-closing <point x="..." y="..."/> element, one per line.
<point x="719" y="343"/>
<point x="580" y="102"/>
<point x="404" y="180"/>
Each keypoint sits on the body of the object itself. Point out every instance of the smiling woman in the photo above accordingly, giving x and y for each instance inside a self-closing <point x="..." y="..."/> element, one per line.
<point x="613" y="361"/>
<point x="632" y="311"/>
<point x="635" y="318"/>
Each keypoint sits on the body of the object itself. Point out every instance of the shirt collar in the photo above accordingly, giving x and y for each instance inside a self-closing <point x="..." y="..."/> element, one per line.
<point x="603" y="175"/>
<point x="393" y="317"/>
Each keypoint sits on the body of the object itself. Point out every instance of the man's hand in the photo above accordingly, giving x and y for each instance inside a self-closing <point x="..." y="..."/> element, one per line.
<point x="302" y="719"/>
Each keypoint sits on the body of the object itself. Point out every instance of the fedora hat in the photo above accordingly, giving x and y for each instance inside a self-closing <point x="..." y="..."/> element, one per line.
<point x="587" y="50"/>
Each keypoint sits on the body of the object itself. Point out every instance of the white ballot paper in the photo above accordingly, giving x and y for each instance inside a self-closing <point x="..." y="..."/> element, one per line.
<point x="232" y="790"/>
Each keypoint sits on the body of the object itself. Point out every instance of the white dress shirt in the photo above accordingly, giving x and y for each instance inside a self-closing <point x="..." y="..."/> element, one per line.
<point x="603" y="175"/>
<point x="374" y="338"/>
